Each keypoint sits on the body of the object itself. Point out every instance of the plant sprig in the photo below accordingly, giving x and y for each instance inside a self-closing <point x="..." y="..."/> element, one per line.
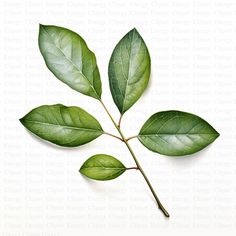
<point x="67" y="56"/>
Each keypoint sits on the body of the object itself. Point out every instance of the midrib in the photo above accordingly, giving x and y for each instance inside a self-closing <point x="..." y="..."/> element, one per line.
<point x="64" y="126"/>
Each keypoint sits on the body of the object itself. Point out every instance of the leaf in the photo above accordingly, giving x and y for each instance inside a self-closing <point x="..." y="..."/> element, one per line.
<point x="64" y="126"/>
<point x="176" y="133"/>
<point x="102" y="167"/>
<point x="68" y="57"/>
<point x="129" y="70"/>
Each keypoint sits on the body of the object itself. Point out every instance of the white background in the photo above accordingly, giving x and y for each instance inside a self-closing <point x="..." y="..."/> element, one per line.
<point x="193" y="50"/>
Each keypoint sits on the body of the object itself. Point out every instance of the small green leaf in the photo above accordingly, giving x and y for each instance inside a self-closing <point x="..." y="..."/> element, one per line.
<point x="102" y="167"/>
<point x="64" y="126"/>
<point x="68" y="57"/>
<point x="176" y="133"/>
<point x="129" y="70"/>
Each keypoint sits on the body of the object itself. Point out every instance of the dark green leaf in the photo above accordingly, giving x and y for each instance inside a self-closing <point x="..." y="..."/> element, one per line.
<point x="68" y="57"/>
<point x="129" y="70"/>
<point x="102" y="167"/>
<point x="176" y="133"/>
<point x="64" y="126"/>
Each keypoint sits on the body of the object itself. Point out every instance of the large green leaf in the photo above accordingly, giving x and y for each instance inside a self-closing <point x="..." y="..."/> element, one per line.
<point x="129" y="70"/>
<point x="68" y="57"/>
<point x="64" y="126"/>
<point x="176" y="133"/>
<point x="102" y="167"/>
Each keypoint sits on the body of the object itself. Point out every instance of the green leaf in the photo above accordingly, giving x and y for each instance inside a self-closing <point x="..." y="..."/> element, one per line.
<point x="64" y="126"/>
<point x="102" y="167"/>
<point x="129" y="70"/>
<point x="68" y="57"/>
<point x="176" y="133"/>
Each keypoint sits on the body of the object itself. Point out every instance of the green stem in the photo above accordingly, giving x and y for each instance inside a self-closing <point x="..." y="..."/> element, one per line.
<point x="137" y="163"/>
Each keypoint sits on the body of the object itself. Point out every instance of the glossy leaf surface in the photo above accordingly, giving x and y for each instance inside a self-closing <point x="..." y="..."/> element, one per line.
<point x="129" y="70"/>
<point x="68" y="57"/>
<point x="176" y="133"/>
<point x="102" y="167"/>
<point x="61" y="125"/>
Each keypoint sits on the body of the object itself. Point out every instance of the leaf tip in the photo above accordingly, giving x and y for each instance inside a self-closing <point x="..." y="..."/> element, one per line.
<point x="22" y="120"/>
<point x="134" y="30"/>
<point x="81" y="169"/>
<point x="41" y="27"/>
<point x="217" y="134"/>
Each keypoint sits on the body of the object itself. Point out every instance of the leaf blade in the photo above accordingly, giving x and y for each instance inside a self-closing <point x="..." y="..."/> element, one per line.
<point x="102" y="167"/>
<point x="129" y="70"/>
<point x="68" y="57"/>
<point x="176" y="133"/>
<point x="61" y="125"/>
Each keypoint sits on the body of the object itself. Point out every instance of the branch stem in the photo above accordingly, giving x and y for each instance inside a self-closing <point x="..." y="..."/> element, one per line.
<point x="135" y="136"/>
<point x="114" y="136"/>
<point x="119" y="122"/>
<point x="161" y="207"/>
<point x="132" y="168"/>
